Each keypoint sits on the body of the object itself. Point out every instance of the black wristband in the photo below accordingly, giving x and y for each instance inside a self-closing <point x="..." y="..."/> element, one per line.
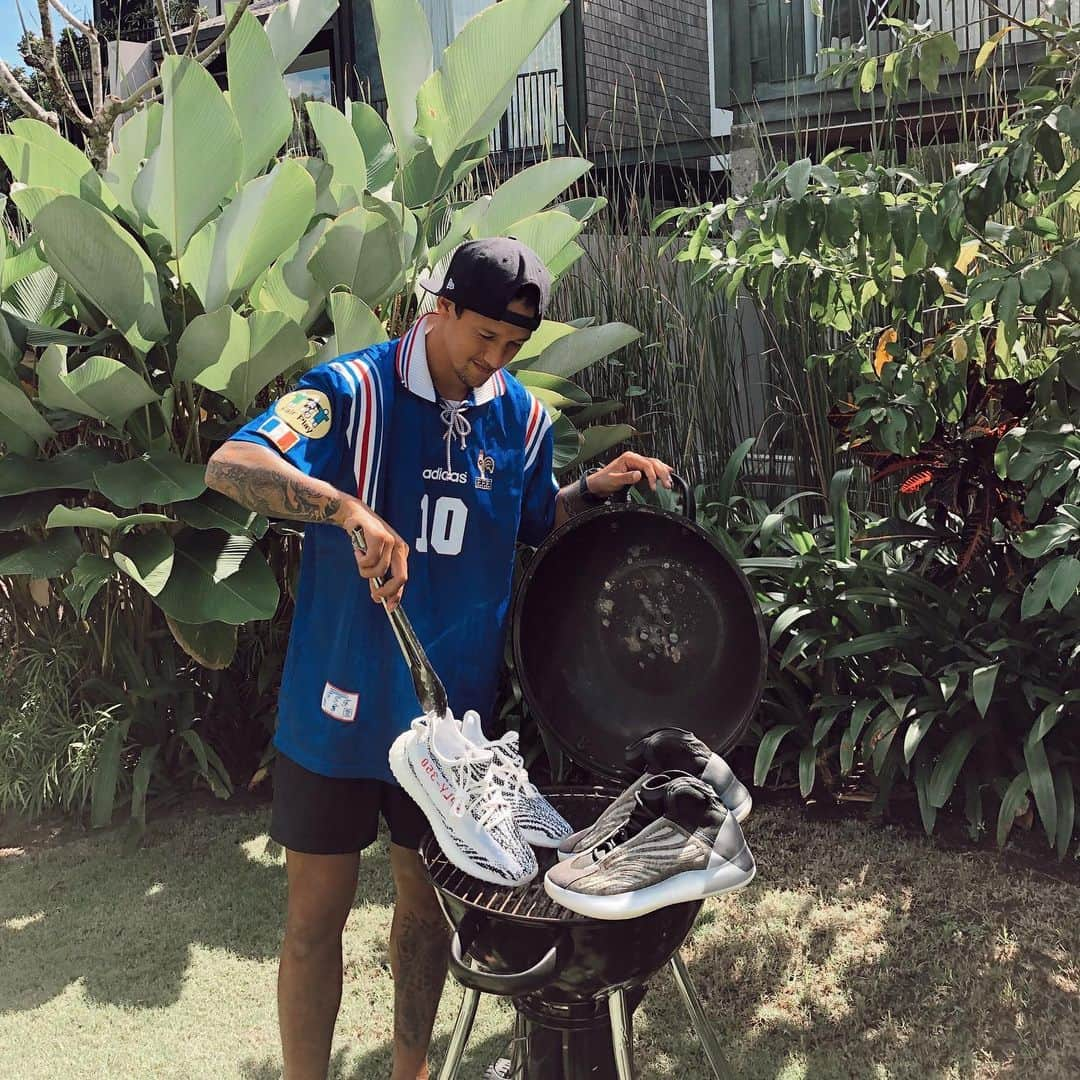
<point x="587" y="496"/>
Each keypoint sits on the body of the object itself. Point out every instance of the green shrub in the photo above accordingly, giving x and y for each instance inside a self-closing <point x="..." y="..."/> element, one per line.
<point x="942" y="645"/>
<point x="874" y="667"/>
<point x="49" y="739"/>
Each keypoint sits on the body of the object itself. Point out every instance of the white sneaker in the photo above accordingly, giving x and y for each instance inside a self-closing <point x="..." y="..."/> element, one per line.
<point x="465" y="800"/>
<point x="540" y="823"/>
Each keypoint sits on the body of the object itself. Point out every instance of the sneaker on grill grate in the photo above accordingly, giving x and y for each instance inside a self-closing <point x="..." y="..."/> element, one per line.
<point x="459" y="790"/>
<point x="540" y="823"/>
<point x="608" y="824"/>
<point x="660" y="751"/>
<point x="680" y="843"/>
<point x="499" y="1070"/>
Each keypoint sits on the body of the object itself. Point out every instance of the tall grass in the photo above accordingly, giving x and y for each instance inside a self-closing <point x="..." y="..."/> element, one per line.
<point x="49" y="737"/>
<point x="705" y="374"/>
<point x="686" y="382"/>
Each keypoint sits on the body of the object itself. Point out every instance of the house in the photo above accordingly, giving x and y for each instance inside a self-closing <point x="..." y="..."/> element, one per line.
<point x="771" y="54"/>
<point x="618" y="80"/>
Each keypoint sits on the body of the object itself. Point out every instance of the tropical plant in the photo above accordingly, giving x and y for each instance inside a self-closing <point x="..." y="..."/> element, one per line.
<point x="81" y="47"/>
<point x="151" y="309"/>
<point x="957" y="336"/>
<point x="975" y="706"/>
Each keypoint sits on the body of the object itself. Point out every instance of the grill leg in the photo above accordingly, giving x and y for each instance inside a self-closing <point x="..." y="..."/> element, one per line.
<point x="621" y="1035"/>
<point x="518" y="1046"/>
<point x="702" y="1027"/>
<point x="462" y="1029"/>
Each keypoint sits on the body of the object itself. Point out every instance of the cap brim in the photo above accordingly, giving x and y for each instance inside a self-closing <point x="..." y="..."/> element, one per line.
<point x="431" y="284"/>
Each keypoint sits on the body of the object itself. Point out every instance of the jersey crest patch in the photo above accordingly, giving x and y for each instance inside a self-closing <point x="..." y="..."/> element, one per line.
<point x="307" y="412"/>
<point x="485" y="466"/>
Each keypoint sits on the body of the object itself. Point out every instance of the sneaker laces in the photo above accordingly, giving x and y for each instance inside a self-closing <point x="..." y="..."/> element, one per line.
<point x="508" y="766"/>
<point x="483" y="790"/>
<point x="639" y="818"/>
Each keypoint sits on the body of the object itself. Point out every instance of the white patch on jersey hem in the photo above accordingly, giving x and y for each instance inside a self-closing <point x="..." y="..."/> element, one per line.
<point x="339" y="704"/>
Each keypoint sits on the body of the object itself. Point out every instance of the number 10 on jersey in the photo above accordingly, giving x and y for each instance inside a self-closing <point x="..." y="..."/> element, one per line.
<point x="446" y="532"/>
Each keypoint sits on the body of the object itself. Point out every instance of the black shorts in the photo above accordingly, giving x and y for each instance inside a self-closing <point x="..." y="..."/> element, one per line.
<point x="332" y="815"/>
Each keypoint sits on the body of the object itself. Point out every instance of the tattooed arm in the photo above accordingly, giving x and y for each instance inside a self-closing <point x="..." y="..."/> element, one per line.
<point x="262" y="480"/>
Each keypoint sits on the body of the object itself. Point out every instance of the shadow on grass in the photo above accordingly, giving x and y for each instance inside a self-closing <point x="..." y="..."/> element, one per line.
<point x="857" y="952"/>
<point x="124" y="924"/>
<point x="862" y="953"/>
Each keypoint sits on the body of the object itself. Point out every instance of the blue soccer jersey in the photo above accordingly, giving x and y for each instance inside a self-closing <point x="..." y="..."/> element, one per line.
<point x="461" y="483"/>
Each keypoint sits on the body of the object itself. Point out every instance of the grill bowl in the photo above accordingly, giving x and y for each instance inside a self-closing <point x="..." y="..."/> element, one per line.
<point x="504" y="935"/>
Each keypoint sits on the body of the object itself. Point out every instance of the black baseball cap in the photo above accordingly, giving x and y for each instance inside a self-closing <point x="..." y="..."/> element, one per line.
<point x="485" y="276"/>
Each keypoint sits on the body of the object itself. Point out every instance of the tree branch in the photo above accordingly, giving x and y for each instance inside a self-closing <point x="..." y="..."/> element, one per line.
<point x="88" y="31"/>
<point x="117" y="106"/>
<point x="57" y="82"/>
<point x="25" y="102"/>
<point x="1050" y="40"/>
<point x="193" y="33"/>
<point x="97" y="76"/>
<point x="167" y="41"/>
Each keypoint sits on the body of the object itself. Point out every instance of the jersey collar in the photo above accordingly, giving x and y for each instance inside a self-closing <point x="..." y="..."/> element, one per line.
<point x="412" y="368"/>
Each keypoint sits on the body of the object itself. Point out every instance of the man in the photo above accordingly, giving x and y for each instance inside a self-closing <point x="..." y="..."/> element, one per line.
<point x="444" y="461"/>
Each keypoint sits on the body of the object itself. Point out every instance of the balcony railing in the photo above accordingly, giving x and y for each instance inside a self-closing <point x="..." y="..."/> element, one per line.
<point x="532" y="121"/>
<point x="785" y="40"/>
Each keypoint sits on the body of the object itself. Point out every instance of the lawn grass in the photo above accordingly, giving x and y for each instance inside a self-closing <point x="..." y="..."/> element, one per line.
<point x="858" y="951"/>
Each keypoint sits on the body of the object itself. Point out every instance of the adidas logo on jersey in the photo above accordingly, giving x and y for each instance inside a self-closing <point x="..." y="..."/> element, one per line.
<point x="446" y="476"/>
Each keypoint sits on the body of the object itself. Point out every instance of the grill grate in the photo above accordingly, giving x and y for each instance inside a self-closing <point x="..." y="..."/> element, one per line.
<point x="580" y="808"/>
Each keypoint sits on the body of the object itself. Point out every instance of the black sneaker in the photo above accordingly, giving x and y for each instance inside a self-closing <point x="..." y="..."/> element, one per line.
<point x="675" y="748"/>
<point x="499" y="1070"/>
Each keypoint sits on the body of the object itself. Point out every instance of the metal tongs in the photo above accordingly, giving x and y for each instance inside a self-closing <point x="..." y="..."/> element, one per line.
<point x="428" y="686"/>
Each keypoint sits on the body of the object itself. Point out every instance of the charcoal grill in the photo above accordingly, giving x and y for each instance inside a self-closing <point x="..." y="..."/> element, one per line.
<point x="574" y="981"/>
<point x="595" y="624"/>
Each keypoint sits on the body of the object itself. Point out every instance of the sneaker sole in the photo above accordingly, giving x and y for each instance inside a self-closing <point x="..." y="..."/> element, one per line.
<point x="742" y="810"/>
<point x="680" y="889"/>
<point x="403" y="774"/>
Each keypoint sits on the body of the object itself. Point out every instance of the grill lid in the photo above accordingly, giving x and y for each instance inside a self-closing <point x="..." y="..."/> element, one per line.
<point x="633" y="618"/>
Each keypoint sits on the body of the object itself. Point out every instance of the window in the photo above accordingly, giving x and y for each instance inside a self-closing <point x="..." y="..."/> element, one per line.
<point x="308" y="79"/>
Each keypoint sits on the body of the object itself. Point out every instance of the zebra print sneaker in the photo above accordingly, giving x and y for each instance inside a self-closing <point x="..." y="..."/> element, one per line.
<point x="460" y="790"/>
<point x="540" y="823"/>
<point x="680" y="844"/>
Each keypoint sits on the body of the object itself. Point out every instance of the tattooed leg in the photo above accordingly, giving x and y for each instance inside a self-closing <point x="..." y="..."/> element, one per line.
<point x="419" y="946"/>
